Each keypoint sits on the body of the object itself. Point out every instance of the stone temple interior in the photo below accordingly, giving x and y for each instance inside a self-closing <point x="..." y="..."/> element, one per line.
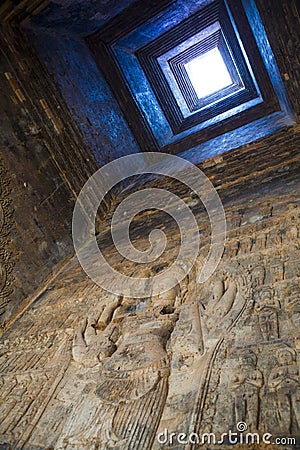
<point x="193" y="363"/>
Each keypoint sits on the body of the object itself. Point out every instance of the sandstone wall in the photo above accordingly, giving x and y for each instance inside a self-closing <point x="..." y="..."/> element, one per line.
<point x="85" y="369"/>
<point x="44" y="162"/>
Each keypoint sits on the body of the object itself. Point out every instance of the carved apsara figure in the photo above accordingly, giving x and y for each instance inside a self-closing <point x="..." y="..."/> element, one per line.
<point x="292" y="304"/>
<point x="284" y="382"/>
<point x="219" y="304"/>
<point x="245" y="385"/>
<point x="131" y="382"/>
<point x="257" y="276"/>
<point x="226" y="299"/>
<point x="267" y="307"/>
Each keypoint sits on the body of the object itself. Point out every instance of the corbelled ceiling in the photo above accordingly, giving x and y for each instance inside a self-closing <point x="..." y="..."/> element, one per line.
<point x="120" y="68"/>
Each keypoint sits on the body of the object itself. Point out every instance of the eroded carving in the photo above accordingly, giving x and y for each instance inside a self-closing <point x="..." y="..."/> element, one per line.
<point x="128" y="347"/>
<point x="292" y="304"/>
<point x="219" y="304"/>
<point x="245" y="385"/>
<point x="258" y="274"/>
<point x="135" y="366"/>
<point x="266" y="307"/>
<point x="284" y="383"/>
<point x="28" y="382"/>
<point x="228" y="299"/>
<point x="6" y="264"/>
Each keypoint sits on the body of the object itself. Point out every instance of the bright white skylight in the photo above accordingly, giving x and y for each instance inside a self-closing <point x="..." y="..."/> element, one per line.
<point x="208" y="73"/>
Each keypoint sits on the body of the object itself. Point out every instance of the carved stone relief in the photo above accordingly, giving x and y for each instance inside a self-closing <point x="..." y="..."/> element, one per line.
<point x="257" y="380"/>
<point x="28" y="380"/>
<point x="115" y="372"/>
<point x="284" y="388"/>
<point x="6" y="264"/>
<point x="127" y="350"/>
<point x="245" y="385"/>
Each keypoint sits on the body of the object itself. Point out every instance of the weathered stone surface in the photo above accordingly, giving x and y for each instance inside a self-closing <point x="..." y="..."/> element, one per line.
<point x="6" y="223"/>
<point x="95" y="371"/>
<point x="286" y="15"/>
<point x="47" y="164"/>
<point x="82" y="368"/>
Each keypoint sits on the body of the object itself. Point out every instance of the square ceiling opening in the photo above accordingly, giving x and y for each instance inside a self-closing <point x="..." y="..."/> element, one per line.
<point x="196" y="72"/>
<point x="208" y="73"/>
<point x="165" y="61"/>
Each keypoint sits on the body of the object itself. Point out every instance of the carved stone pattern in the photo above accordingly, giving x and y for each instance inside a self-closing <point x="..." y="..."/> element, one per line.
<point x="6" y="223"/>
<point x="196" y="376"/>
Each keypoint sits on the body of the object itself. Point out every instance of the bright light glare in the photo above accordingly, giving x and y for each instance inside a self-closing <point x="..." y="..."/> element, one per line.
<point x="208" y="73"/>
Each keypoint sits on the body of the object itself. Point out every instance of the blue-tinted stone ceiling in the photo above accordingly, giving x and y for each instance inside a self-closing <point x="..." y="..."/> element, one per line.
<point x="58" y="34"/>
